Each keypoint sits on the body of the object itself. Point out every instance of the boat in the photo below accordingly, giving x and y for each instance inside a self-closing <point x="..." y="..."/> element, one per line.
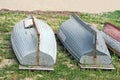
<point x="112" y="31"/>
<point x="34" y="43"/>
<point x="111" y="34"/>
<point x="84" y="43"/>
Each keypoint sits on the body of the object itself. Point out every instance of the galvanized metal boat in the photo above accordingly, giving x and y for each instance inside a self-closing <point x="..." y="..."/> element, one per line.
<point x="111" y="34"/>
<point x="34" y="43"/>
<point x="84" y="43"/>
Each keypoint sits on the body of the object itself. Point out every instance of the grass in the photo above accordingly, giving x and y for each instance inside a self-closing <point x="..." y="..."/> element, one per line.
<point x="66" y="67"/>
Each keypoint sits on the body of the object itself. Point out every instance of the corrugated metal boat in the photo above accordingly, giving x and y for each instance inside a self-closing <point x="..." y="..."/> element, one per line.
<point x="34" y="43"/>
<point x="83" y="42"/>
<point x="111" y="34"/>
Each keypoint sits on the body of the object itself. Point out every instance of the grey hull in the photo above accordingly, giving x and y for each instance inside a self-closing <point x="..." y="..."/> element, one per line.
<point x="25" y="44"/>
<point x="114" y="44"/>
<point x="83" y="42"/>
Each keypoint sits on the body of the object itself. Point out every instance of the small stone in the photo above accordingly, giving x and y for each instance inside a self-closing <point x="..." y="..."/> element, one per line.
<point x="39" y="75"/>
<point x="28" y="79"/>
<point x="1" y="78"/>
<point x="10" y="72"/>
<point x="93" y="75"/>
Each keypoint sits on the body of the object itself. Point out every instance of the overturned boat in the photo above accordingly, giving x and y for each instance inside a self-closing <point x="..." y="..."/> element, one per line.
<point x="111" y="34"/>
<point x="34" y="43"/>
<point x="84" y="44"/>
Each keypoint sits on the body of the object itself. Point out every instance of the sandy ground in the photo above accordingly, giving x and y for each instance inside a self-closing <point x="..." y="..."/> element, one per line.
<point x="90" y="6"/>
<point x="6" y="62"/>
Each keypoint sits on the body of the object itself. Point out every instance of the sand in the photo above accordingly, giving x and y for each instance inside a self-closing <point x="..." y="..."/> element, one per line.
<point x="89" y="6"/>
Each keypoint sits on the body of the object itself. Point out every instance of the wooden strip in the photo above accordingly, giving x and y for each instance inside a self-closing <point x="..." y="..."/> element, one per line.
<point x="95" y="51"/>
<point x="106" y="67"/>
<point x="113" y="50"/>
<point x="48" y="68"/>
<point x="38" y="34"/>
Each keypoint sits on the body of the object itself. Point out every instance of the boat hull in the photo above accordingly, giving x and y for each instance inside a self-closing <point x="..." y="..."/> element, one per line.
<point x="25" y="44"/>
<point x="112" y="31"/>
<point x="83" y="42"/>
<point x="111" y="34"/>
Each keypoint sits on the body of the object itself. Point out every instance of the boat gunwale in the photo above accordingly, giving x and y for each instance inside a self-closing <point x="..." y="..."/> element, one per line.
<point x="108" y="23"/>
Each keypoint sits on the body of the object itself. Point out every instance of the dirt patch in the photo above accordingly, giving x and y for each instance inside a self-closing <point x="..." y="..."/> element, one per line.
<point x="1" y="39"/>
<point x="28" y="79"/>
<point x="69" y="65"/>
<point x="1" y="78"/>
<point x="38" y="76"/>
<point x="37" y="12"/>
<point x="6" y="62"/>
